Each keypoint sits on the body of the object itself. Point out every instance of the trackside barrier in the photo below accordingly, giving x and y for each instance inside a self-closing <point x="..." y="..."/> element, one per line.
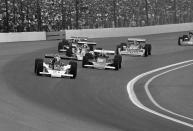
<point x="130" y="31"/>
<point x="95" y="33"/>
<point x="22" y="36"/>
<point x="55" y="35"/>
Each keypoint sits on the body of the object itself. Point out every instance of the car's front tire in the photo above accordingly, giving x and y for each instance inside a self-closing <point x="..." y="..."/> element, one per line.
<point x="117" y="62"/>
<point x="38" y="66"/>
<point x="73" y="69"/>
<point x="180" y="40"/>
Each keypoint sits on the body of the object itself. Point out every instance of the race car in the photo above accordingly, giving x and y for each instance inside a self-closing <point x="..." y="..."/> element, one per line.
<point x="101" y="60"/>
<point x="134" y="47"/>
<point x="76" y="52"/>
<point x="186" y="39"/>
<point x="55" y="67"/>
<point x="66" y="43"/>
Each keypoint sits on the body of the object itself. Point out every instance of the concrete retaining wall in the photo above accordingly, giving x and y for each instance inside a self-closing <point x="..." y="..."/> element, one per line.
<point x="95" y="33"/>
<point x="22" y="36"/>
<point x="55" y="35"/>
<point x="131" y="31"/>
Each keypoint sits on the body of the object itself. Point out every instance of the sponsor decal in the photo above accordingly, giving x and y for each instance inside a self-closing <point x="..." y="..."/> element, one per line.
<point x="133" y="51"/>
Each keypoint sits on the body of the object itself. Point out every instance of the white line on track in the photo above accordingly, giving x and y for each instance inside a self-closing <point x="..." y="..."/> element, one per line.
<point x="134" y="99"/>
<point x="152" y="99"/>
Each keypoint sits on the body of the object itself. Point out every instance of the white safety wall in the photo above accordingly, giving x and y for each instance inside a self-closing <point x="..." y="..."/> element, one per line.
<point x="22" y="36"/>
<point x="99" y="33"/>
<point x="130" y="31"/>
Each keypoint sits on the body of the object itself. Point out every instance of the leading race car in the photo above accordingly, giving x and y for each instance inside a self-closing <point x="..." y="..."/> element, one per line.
<point x="134" y="47"/>
<point x="66" y="43"/>
<point x="186" y="39"/>
<point x="101" y="60"/>
<point x="55" y="67"/>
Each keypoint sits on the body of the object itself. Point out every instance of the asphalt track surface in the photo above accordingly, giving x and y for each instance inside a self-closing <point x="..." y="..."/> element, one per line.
<point x="97" y="100"/>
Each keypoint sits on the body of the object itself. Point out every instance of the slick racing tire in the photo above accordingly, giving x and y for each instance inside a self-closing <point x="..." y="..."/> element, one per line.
<point x="39" y="67"/>
<point x="180" y="40"/>
<point x="86" y="59"/>
<point x="117" y="62"/>
<point x="37" y="60"/>
<point x="73" y="69"/>
<point x="148" y="49"/>
<point x="118" y="49"/>
<point x="60" y="46"/>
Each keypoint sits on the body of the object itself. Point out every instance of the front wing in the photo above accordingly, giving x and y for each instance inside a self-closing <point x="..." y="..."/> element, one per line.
<point x="134" y="52"/>
<point x="187" y="43"/>
<point x="56" y="75"/>
<point x="100" y="66"/>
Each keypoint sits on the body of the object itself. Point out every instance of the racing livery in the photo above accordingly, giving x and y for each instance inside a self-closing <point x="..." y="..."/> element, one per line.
<point x="76" y="52"/>
<point x="186" y="39"/>
<point x="65" y="43"/>
<point x="101" y="60"/>
<point x="55" y="68"/>
<point x="134" y="47"/>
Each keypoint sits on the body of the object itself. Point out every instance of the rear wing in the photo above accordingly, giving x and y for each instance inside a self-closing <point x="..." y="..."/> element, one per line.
<point x="108" y="52"/>
<point x="64" y="57"/>
<point x="79" y="38"/>
<point x="87" y="42"/>
<point x="136" y="39"/>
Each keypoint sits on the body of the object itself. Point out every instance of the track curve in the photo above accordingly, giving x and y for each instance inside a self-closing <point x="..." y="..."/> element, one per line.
<point x="96" y="100"/>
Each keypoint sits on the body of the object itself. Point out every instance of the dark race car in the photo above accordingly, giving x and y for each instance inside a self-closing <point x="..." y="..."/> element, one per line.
<point x="186" y="39"/>
<point x="134" y="47"/>
<point x="101" y="60"/>
<point x="66" y="43"/>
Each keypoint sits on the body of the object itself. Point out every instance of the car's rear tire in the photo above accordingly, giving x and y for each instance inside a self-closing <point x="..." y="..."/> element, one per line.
<point x="73" y="69"/>
<point x="117" y="62"/>
<point x="180" y="40"/>
<point x="86" y="58"/>
<point x="60" y="46"/>
<point x="37" y="60"/>
<point x="148" y="49"/>
<point x="39" y="66"/>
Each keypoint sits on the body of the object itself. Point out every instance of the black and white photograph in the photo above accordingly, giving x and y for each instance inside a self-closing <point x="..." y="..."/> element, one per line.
<point x="96" y="65"/>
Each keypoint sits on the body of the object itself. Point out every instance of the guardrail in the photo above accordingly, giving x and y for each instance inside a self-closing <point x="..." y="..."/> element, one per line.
<point x="55" y="35"/>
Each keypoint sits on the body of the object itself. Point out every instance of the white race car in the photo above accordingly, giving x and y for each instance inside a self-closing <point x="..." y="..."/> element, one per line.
<point x="134" y="47"/>
<point x="55" y="69"/>
<point x="186" y="40"/>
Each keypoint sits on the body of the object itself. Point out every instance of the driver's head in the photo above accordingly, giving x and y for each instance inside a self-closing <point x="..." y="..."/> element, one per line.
<point x="57" y="57"/>
<point x="135" y="42"/>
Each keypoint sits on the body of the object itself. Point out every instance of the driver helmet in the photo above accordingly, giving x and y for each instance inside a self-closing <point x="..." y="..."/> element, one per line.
<point x="57" y="57"/>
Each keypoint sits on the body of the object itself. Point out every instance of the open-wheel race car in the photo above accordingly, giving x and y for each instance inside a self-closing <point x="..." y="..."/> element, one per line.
<point x="64" y="44"/>
<point x="134" y="47"/>
<point x="186" y="39"/>
<point x="100" y="59"/>
<point x="77" y="51"/>
<point x="54" y="67"/>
